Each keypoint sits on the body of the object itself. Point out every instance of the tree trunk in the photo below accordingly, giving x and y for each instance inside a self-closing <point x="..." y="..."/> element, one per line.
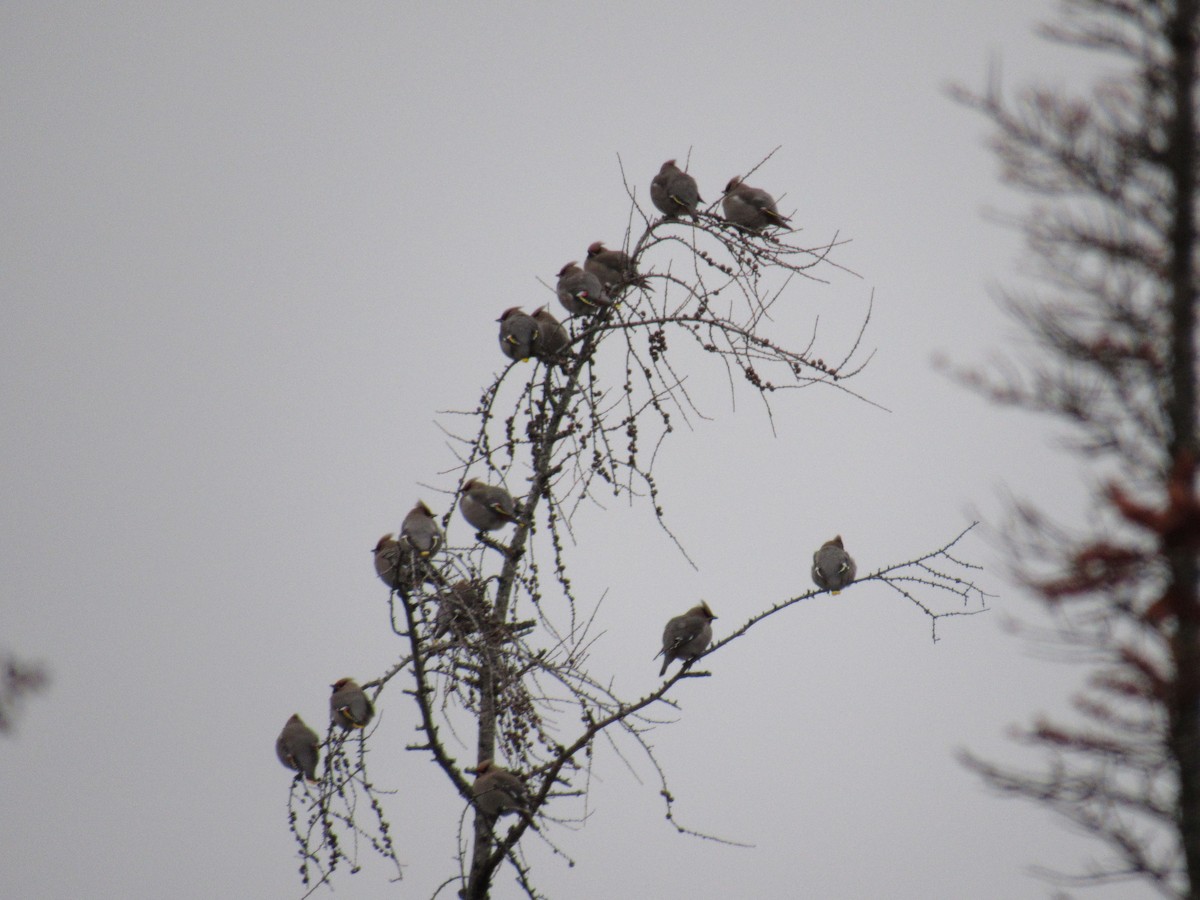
<point x="1179" y="546"/>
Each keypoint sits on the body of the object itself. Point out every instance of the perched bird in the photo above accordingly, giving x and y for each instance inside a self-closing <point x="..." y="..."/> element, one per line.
<point x="553" y="338"/>
<point x="419" y="531"/>
<point x="498" y="791"/>
<point x="349" y="706"/>
<point x="519" y="334"/>
<point x="750" y="208"/>
<point x="461" y="611"/>
<point x="686" y="636"/>
<point x="299" y="748"/>
<point x="833" y="568"/>
<point x="674" y="191"/>
<point x="581" y="292"/>
<point x="614" y="268"/>
<point x="390" y="565"/>
<point x="485" y="506"/>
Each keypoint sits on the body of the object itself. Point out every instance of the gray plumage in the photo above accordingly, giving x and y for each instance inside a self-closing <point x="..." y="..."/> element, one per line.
<point x="498" y="791"/>
<point x="389" y="564"/>
<point x="674" y="191"/>
<point x="485" y="506"/>
<point x="552" y="338"/>
<point x="750" y="208"/>
<point x="686" y="636"/>
<point x="580" y="292"/>
<point x="299" y="748"/>
<point x="519" y="334"/>
<point x="461" y="610"/>
<point x="614" y="268"/>
<point x="349" y="707"/>
<point x="394" y="565"/>
<point x="833" y="568"/>
<point x="419" y="531"/>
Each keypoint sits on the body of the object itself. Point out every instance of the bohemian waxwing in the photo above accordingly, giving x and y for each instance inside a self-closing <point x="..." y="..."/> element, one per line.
<point x="614" y="268"/>
<point x="390" y="564"/>
<point x="461" y="611"/>
<point x="580" y="292"/>
<point x="674" y="191"/>
<point x="750" y="208"/>
<point x="552" y="338"/>
<point x="419" y="531"/>
<point x="498" y="791"/>
<point x="485" y="506"/>
<point x="299" y="748"/>
<point x="519" y="334"/>
<point x="349" y="706"/>
<point x="686" y="636"/>
<point x="833" y="567"/>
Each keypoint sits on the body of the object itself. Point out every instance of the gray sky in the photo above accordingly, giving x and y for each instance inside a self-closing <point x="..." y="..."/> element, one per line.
<point x="250" y="250"/>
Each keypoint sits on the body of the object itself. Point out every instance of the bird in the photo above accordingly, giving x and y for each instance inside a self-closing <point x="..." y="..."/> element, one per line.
<point x="614" y="268"/>
<point x="299" y="748"/>
<point x="553" y="338"/>
<point x="349" y="706"/>
<point x="486" y="506"/>
<point x="674" y="191"/>
<point x="519" y="334"/>
<point x="419" y="531"/>
<point x="498" y="791"/>
<point x="461" y="610"/>
<point x="580" y="292"/>
<point x="686" y="636"/>
<point x="750" y="208"/>
<point x="390" y="564"/>
<point x="833" y="568"/>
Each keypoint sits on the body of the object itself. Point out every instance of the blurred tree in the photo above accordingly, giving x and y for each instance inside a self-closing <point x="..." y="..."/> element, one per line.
<point x="1113" y="234"/>
<point x="17" y="679"/>
<point x="496" y="637"/>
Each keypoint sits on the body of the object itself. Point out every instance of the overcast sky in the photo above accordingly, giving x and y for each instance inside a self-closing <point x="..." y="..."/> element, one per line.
<point x="250" y="250"/>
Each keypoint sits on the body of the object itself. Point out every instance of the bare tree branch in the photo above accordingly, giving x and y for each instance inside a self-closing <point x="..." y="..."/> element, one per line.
<point x="497" y="639"/>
